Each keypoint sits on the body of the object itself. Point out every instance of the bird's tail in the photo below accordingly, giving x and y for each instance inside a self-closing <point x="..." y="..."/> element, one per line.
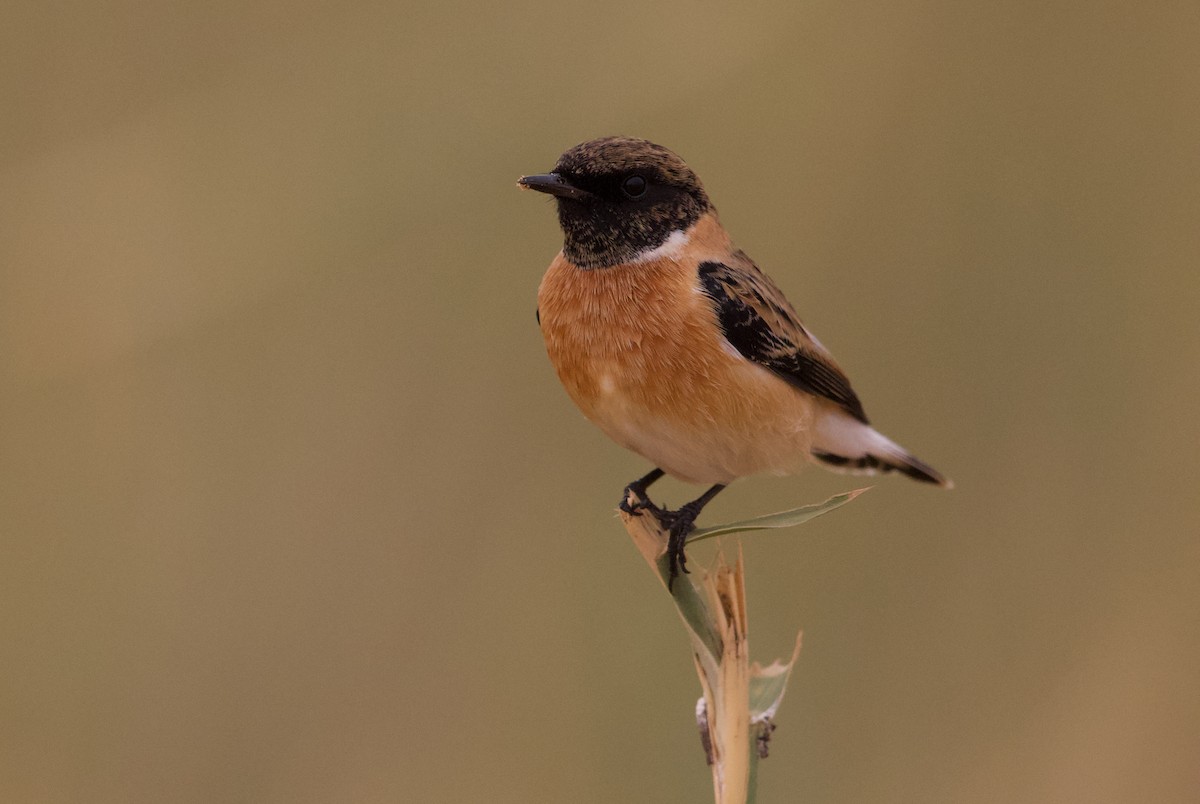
<point x="844" y="444"/>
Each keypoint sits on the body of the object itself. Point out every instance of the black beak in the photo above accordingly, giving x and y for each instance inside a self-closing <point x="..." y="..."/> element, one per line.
<point x="555" y="184"/>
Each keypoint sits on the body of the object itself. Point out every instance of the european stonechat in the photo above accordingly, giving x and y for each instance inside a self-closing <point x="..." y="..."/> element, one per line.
<point x="678" y="347"/>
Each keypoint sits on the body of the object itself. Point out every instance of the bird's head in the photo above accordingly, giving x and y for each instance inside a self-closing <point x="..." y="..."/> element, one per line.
<point x="620" y="198"/>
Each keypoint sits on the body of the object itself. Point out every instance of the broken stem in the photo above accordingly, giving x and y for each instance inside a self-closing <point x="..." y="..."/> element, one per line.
<point x="739" y="699"/>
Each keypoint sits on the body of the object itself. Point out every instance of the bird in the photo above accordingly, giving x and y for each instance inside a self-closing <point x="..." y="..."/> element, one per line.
<point x="678" y="347"/>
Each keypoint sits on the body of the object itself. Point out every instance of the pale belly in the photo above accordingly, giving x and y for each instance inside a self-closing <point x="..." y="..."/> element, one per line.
<point x="719" y="430"/>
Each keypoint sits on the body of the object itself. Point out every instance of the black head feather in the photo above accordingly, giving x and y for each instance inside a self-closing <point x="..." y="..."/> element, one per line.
<point x="622" y="196"/>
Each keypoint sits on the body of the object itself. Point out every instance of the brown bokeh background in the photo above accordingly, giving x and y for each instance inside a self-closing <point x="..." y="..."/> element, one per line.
<point x="292" y="507"/>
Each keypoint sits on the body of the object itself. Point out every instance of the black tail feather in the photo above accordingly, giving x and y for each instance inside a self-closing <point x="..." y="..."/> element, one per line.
<point x="907" y="465"/>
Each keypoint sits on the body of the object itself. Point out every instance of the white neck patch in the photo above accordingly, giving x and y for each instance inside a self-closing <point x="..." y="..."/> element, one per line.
<point x="670" y="248"/>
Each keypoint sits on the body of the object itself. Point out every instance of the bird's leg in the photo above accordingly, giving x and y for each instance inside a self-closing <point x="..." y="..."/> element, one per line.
<point x="638" y="489"/>
<point x="679" y="524"/>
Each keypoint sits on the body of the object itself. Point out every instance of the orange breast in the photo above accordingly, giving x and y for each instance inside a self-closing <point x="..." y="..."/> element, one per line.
<point x="639" y="350"/>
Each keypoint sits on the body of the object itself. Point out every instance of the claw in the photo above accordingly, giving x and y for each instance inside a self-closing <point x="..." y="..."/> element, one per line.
<point x="678" y="524"/>
<point x="632" y="508"/>
<point x="637" y="490"/>
<point x="640" y="502"/>
<point x="683" y="522"/>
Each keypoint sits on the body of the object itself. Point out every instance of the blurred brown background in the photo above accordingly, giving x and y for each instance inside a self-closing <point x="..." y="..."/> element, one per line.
<point x="292" y="507"/>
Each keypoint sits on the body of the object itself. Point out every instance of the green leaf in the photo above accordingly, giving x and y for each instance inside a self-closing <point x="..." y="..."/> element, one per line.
<point x="693" y="608"/>
<point x="767" y="685"/>
<point x="783" y="519"/>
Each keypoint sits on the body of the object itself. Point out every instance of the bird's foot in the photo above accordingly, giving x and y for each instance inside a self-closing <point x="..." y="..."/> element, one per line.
<point x="640" y="502"/>
<point x="678" y="524"/>
<point x="636" y="505"/>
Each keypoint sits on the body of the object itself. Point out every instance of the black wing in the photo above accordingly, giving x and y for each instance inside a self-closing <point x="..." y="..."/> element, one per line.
<point x="758" y="321"/>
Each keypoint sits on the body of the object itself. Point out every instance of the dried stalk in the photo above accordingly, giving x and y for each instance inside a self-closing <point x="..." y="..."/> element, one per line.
<point x="740" y="699"/>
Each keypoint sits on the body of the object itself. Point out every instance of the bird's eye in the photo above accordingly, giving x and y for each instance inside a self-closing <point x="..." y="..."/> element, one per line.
<point x="634" y="187"/>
